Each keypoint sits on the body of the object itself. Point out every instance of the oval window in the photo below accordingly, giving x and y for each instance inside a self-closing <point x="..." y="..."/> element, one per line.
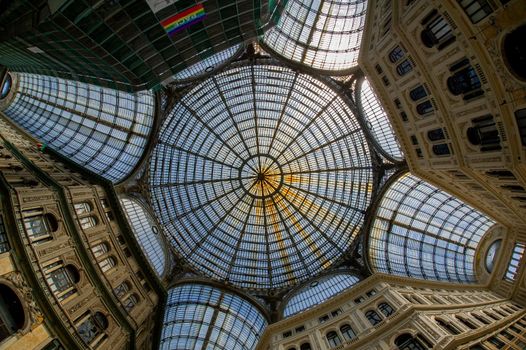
<point x="491" y="254"/>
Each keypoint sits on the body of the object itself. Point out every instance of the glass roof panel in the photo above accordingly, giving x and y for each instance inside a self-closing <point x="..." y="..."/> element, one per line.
<point x="261" y="176"/>
<point x="378" y="122"/>
<point x="208" y="65"/>
<point x="146" y="233"/>
<point x="423" y="232"/>
<point x="319" y="291"/>
<point x="200" y="317"/>
<point x="102" y="129"/>
<point x="322" y="34"/>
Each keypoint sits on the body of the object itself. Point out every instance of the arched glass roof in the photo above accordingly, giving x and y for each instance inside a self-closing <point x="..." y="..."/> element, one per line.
<point x="146" y="232"/>
<point x="200" y="317"/>
<point x="208" y="65"/>
<point x="261" y="176"/>
<point x="322" y="34"/>
<point x="423" y="232"/>
<point x="378" y="121"/>
<point x="6" y="86"/>
<point x="318" y="291"/>
<point x="103" y="129"/>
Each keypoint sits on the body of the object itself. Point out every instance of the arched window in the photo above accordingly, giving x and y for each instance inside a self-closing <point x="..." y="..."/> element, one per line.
<point x="88" y="222"/>
<point x="100" y="249"/>
<point x="305" y="346"/>
<point x="62" y="279"/>
<point x="437" y="32"/>
<point x="447" y="326"/>
<point x="90" y="326"/>
<point x="436" y="135"/>
<point x="347" y="332"/>
<point x="467" y="323"/>
<point x="12" y="316"/>
<point x="407" y="342"/>
<point x="130" y="302"/>
<point x="418" y="93"/>
<point x="386" y="309"/>
<point x="515" y="52"/>
<point x="424" y="108"/>
<point x="107" y="264"/>
<point x="396" y="54"/>
<point x="373" y="317"/>
<point x="334" y="339"/>
<point x="405" y="67"/>
<point x="39" y="226"/>
<point x="465" y="82"/>
<point x="484" y="133"/>
<point x="83" y="208"/>
<point x="122" y="289"/>
<point x="441" y="149"/>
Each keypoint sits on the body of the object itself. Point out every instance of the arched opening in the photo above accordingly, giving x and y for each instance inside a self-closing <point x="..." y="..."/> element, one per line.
<point x="122" y="289"/>
<point x="305" y="346"/>
<point x="334" y="339"/>
<point x="91" y="326"/>
<point x="83" y="208"/>
<point x="515" y="52"/>
<point x="88" y="222"/>
<point x="484" y="133"/>
<point x="52" y="221"/>
<point x="373" y="317"/>
<point x="408" y="342"/>
<point x="12" y="316"/>
<point x="347" y="332"/>
<point x="386" y="309"/>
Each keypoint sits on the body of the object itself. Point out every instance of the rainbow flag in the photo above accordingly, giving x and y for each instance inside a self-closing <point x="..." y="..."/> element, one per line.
<point x="185" y="19"/>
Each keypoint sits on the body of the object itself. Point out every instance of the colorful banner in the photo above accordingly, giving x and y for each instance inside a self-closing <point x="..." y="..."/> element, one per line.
<point x="185" y="19"/>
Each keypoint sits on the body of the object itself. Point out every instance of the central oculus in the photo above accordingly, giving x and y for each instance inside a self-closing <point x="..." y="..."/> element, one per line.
<point x="261" y="176"/>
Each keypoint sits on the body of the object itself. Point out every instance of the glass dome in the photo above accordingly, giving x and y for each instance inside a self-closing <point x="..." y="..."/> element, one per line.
<point x="261" y="176"/>
<point x="423" y="232"/>
<point x="322" y="34"/>
<point x="200" y="317"/>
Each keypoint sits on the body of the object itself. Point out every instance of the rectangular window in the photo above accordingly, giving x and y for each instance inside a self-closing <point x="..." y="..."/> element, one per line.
<point x="4" y="244"/>
<point x="516" y="256"/>
<point x="476" y="10"/>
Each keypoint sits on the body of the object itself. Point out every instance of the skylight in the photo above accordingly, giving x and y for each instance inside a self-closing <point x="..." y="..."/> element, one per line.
<point x="261" y="176"/>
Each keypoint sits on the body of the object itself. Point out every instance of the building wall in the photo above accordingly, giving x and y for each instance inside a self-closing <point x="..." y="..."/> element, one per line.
<point x="417" y="305"/>
<point x="437" y="139"/>
<point x="42" y="191"/>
